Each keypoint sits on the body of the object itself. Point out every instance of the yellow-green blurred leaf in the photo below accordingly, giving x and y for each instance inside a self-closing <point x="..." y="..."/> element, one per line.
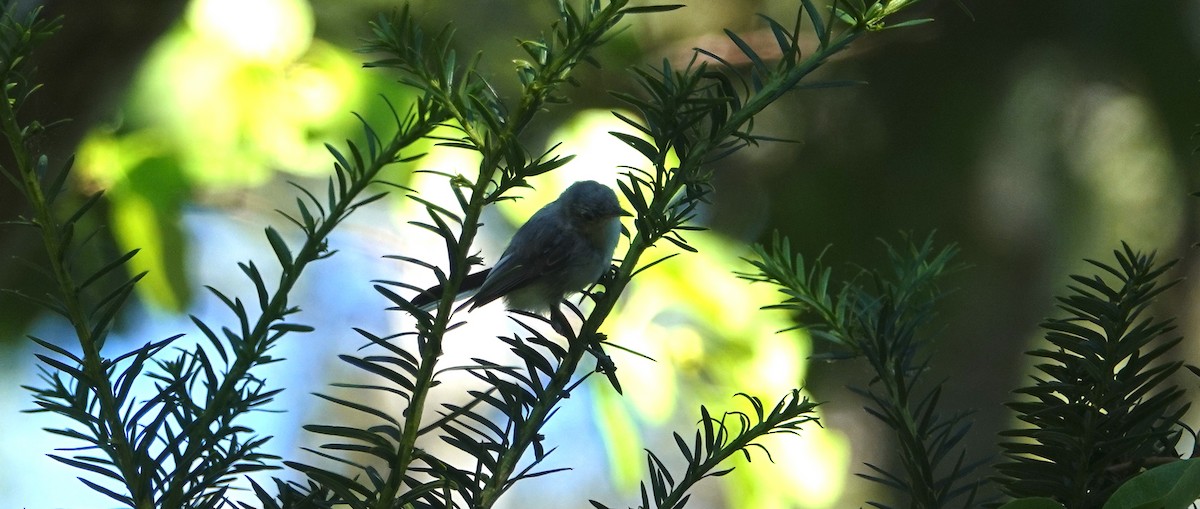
<point x="146" y="210"/>
<point x="621" y="437"/>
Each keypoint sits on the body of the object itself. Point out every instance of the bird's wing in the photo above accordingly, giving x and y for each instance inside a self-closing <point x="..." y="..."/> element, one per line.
<point x="528" y="259"/>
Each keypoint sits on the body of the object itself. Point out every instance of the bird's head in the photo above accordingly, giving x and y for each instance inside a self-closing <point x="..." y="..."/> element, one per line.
<point x="588" y="202"/>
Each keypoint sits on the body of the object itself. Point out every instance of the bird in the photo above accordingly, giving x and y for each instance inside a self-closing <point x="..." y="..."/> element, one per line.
<point x="562" y="249"/>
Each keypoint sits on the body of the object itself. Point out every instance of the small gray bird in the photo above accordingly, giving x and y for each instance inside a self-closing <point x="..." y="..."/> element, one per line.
<point x="565" y="247"/>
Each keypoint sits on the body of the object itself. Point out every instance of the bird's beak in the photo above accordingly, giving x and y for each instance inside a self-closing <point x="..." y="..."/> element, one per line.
<point x="625" y="213"/>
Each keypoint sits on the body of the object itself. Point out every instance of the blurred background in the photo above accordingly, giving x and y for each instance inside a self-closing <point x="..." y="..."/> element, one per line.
<point x="1032" y="134"/>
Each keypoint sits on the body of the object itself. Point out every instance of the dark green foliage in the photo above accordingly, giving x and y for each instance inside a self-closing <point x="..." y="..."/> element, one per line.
<point x="696" y="114"/>
<point x="881" y="318"/>
<point x="181" y="447"/>
<point x="716" y="441"/>
<point x="523" y="398"/>
<point x="185" y="443"/>
<point x="1100" y="409"/>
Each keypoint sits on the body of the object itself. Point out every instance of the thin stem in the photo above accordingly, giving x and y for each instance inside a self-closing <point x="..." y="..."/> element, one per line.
<point x="109" y="428"/>
<point x="548" y="78"/>
<point x="642" y="240"/>
<point x="556" y="390"/>
<point x="697" y="473"/>
<point x="257" y="342"/>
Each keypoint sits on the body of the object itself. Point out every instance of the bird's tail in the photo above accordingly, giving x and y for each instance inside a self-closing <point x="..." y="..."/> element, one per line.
<point x="429" y="298"/>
